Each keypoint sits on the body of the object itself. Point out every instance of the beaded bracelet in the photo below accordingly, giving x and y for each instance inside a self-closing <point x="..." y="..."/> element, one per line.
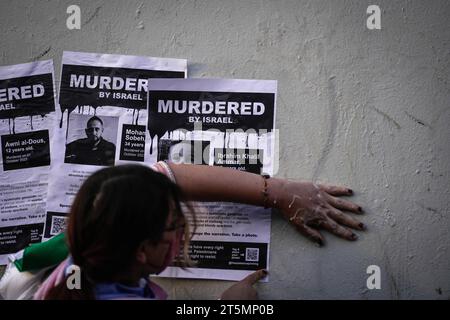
<point x="264" y="192"/>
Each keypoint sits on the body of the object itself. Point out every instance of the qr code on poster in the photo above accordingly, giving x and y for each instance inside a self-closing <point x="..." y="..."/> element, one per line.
<point x="59" y="225"/>
<point x="251" y="254"/>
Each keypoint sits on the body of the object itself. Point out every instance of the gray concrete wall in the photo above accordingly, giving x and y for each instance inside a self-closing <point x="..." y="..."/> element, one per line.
<point x="368" y="109"/>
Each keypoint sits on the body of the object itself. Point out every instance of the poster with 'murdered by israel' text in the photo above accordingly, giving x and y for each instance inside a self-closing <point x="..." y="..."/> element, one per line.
<point x="102" y="121"/>
<point x="219" y="122"/>
<point x="27" y="120"/>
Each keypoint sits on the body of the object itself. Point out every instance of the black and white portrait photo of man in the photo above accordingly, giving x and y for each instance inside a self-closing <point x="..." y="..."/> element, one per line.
<point x="94" y="149"/>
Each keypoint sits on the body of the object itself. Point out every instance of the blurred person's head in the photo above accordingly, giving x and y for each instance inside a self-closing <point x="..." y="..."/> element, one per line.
<point x="125" y="223"/>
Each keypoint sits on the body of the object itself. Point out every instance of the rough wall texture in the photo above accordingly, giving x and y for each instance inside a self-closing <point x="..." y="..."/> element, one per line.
<point x="368" y="109"/>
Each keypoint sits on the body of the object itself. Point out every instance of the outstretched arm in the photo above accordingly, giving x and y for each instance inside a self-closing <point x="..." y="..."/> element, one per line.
<point x="308" y="206"/>
<point x="209" y="183"/>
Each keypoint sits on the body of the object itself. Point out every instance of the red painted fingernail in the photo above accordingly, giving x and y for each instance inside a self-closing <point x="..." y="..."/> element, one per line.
<point x="353" y="236"/>
<point x="362" y="226"/>
<point x="360" y="209"/>
<point x="319" y="242"/>
<point x="350" y="191"/>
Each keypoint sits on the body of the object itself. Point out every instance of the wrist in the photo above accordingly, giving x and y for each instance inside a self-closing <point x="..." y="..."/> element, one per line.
<point x="274" y="186"/>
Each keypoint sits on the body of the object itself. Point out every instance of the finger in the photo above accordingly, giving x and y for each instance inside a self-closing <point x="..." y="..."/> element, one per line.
<point x="312" y="234"/>
<point x="255" y="276"/>
<point x="338" y="230"/>
<point x="335" y="190"/>
<point x="345" y="220"/>
<point x="343" y="204"/>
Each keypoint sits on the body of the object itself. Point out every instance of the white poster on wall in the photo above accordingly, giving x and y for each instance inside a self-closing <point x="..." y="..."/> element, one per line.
<point x="27" y="120"/>
<point x="103" y="102"/>
<point x="227" y="123"/>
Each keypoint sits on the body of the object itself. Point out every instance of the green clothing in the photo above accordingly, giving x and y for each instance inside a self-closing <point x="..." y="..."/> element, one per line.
<point x="45" y="254"/>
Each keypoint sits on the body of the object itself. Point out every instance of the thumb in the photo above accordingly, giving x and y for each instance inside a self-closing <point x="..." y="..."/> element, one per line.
<point x="255" y="277"/>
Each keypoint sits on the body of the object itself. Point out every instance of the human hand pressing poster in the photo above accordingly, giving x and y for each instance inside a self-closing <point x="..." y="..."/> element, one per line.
<point x="229" y="123"/>
<point x="103" y="102"/>
<point x="27" y="120"/>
